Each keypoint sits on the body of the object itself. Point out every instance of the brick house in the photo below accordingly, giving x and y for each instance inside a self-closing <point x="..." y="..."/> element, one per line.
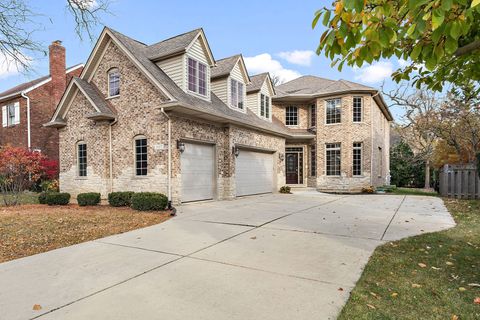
<point x="27" y="106"/>
<point x="169" y="118"/>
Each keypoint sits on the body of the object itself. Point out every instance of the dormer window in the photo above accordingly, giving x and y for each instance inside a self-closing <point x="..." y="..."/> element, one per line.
<point x="236" y="94"/>
<point x="113" y="82"/>
<point x="197" y="77"/>
<point x="265" y="106"/>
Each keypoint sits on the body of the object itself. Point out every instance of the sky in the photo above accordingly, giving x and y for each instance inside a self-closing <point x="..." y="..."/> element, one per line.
<point x="272" y="36"/>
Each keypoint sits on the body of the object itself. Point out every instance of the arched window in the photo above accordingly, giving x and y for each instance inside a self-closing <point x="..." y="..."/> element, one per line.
<point x="82" y="159"/>
<point x="141" y="156"/>
<point x="113" y="82"/>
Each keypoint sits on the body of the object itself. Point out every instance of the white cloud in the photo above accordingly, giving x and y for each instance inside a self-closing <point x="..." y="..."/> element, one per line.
<point x="10" y="67"/>
<point x="300" y="57"/>
<point x="265" y="63"/>
<point x="375" y="72"/>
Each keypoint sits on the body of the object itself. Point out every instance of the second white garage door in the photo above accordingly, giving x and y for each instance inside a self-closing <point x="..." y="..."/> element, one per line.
<point x="197" y="170"/>
<point x="253" y="172"/>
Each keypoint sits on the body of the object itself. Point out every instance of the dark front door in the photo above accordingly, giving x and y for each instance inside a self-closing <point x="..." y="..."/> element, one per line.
<point x="291" y="173"/>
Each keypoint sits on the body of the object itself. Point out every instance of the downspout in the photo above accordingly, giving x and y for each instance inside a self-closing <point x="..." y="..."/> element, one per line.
<point x="29" y="139"/>
<point x="111" y="154"/>
<point x="169" y="164"/>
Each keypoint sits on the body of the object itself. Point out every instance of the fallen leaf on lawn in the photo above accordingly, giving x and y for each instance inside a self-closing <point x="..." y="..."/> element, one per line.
<point x="454" y="317"/>
<point x="476" y="300"/>
<point x="371" y="306"/>
<point x="37" y="307"/>
<point x="462" y="289"/>
<point x="253" y="238"/>
<point x="422" y="265"/>
<point x="340" y="289"/>
<point x="448" y="263"/>
<point x="374" y="294"/>
<point x="474" y="285"/>
<point x="435" y="268"/>
<point x="394" y="295"/>
<point x="415" y="285"/>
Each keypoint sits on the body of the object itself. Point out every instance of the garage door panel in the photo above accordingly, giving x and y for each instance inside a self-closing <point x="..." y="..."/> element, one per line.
<point x="253" y="173"/>
<point x="197" y="170"/>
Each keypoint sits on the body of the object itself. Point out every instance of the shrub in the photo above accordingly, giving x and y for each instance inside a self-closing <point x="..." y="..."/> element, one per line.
<point x="42" y="198"/>
<point x="120" y="199"/>
<point x="57" y="198"/>
<point x="149" y="201"/>
<point x="88" y="199"/>
<point x="285" y="189"/>
<point x="370" y="189"/>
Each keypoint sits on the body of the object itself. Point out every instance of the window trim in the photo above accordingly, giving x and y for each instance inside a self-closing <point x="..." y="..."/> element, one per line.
<point x="313" y="115"/>
<point x="197" y="79"/>
<point x="135" y="161"/>
<point x="339" y="148"/>
<point x="361" y="109"/>
<point x="359" y="147"/>
<point x="265" y="106"/>
<point x="79" y="169"/>
<point x="296" y="116"/>
<point x="239" y="94"/>
<point x="11" y="118"/>
<point x="326" y="111"/>
<point x="109" y="73"/>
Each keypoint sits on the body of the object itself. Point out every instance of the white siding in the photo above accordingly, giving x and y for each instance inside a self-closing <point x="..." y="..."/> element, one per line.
<point x="219" y="87"/>
<point x="197" y="52"/>
<point x="175" y="69"/>
<point x="253" y="102"/>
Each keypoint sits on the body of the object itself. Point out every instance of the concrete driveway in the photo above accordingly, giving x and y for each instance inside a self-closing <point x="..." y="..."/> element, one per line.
<point x="263" y="257"/>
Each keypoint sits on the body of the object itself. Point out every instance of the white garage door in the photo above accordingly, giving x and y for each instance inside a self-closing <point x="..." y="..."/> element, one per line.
<point x="197" y="170"/>
<point x="253" y="172"/>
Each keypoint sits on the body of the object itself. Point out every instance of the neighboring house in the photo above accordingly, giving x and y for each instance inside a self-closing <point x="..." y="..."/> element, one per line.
<point x="26" y="107"/>
<point x="170" y="118"/>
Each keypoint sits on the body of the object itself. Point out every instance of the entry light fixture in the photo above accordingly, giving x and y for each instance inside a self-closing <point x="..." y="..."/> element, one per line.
<point x="180" y="146"/>
<point x="235" y="151"/>
<point x="281" y="156"/>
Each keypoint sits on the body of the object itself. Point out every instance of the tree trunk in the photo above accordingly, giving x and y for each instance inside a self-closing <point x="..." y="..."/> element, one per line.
<point x="427" y="174"/>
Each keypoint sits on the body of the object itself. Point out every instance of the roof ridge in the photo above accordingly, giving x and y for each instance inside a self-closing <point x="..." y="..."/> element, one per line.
<point x="177" y="36"/>
<point x="115" y="31"/>
<point x="238" y="55"/>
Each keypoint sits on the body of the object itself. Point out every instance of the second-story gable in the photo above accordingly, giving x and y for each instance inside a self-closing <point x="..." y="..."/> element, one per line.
<point x="259" y="96"/>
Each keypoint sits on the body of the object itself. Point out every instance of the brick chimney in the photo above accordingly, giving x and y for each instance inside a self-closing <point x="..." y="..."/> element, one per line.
<point x="57" y="70"/>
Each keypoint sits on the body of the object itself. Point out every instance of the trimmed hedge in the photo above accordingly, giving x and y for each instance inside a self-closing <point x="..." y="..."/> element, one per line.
<point x="57" y="198"/>
<point x="149" y="201"/>
<point x="42" y="198"/>
<point x="120" y="199"/>
<point x="88" y="199"/>
<point x="285" y="189"/>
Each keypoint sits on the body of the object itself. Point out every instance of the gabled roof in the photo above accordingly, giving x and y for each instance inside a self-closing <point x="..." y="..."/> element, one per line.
<point x="257" y="82"/>
<point x="30" y="85"/>
<point x="310" y="87"/>
<point x="225" y="66"/>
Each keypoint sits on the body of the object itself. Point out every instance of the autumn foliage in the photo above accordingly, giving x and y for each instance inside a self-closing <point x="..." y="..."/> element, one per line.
<point x="19" y="169"/>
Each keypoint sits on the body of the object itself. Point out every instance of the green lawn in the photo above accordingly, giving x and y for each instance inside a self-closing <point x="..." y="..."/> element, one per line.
<point x="25" y="198"/>
<point x="431" y="276"/>
<point x="413" y="192"/>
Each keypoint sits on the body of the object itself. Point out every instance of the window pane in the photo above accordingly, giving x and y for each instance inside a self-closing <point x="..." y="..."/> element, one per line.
<point x="291" y="116"/>
<point x="333" y="157"/>
<point x="313" y="115"/>
<point x="202" y="79"/>
<point x="82" y="159"/>
<point x="192" y="75"/>
<point x="334" y="111"/>
<point x="313" y="161"/>
<point x="233" y="93"/>
<point x="262" y="105"/>
<point x="357" y="159"/>
<point x="357" y="109"/>
<point x="114" y="83"/>
<point x="240" y="95"/>
<point x="141" y="153"/>
<point x="267" y="107"/>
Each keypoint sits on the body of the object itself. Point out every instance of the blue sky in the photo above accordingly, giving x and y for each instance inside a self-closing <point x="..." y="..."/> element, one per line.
<point x="272" y="36"/>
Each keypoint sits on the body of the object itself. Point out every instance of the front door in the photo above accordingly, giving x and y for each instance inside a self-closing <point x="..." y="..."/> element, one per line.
<point x="294" y="165"/>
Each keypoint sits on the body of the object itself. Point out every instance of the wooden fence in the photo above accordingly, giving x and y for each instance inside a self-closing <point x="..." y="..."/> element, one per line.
<point x="460" y="181"/>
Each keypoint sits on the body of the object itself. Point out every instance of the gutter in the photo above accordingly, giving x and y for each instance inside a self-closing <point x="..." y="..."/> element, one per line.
<point x="169" y="169"/>
<point x="29" y="135"/>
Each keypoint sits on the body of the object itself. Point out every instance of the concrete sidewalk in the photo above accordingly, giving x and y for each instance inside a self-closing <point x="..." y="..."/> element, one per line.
<point x="262" y="257"/>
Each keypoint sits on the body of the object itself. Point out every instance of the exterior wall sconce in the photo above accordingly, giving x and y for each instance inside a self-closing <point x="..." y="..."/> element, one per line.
<point x="281" y="156"/>
<point x="235" y="151"/>
<point x="180" y="146"/>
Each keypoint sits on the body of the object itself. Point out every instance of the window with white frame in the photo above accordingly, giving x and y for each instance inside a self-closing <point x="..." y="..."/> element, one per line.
<point x="236" y="94"/>
<point x="264" y="106"/>
<point x="113" y="82"/>
<point x="357" y="159"/>
<point x="197" y="77"/>
<point x="141" y="156"/>
<point x="82" y="159"/>
<point x="11" y="114"/>
<point x="313" y="115"/>
<point x="334" y="111"/>
<point x="357" y="109"/>
<point x="333" y="156"/>
<point x="313" y="161"/>
<point x="291" y="116"/>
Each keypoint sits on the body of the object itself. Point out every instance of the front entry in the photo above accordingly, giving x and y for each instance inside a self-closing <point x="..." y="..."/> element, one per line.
<point x="294" y="165"/>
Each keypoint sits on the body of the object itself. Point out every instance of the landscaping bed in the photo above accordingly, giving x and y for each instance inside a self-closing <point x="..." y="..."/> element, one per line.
<point x="431" y="276"/>
<point x="30" y="229"/>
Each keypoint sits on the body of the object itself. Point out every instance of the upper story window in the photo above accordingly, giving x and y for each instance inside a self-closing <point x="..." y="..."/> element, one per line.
<point x="265" y="106"/>
<point x="82" y="159"/>
<point x="141" y="156"/>
<point x="334" y="111"/>
<point x="357" y="109"/>
<point x="357" y="159"/>
<point x="333" y="156"/>
<point x="313" y="115"/>
<point x="291" y="116"/>
<point x="113" y="82"/>
<point x="236" y="94"/>
<point x="197" y="77"/>
<point x="11" y="114"/>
